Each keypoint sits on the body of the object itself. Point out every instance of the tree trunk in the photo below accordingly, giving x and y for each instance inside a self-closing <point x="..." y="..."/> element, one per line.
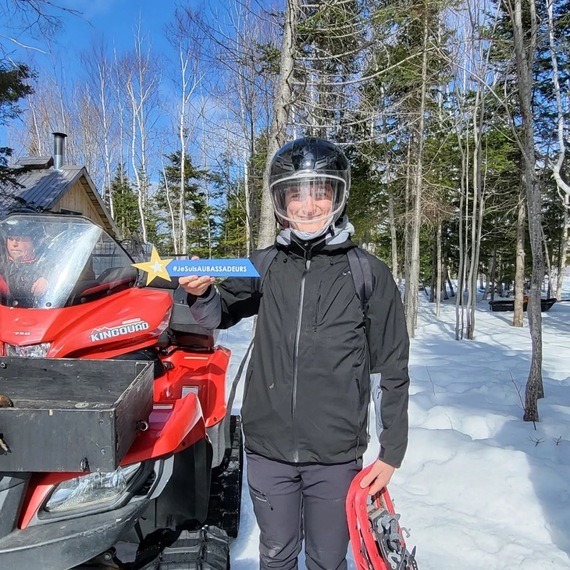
<point x="450" y="284"/>
<point x="393" y="240"/>
<point x="471" y="220"/>
<point x="433" y="277"/>
<point x="492" y="274"/>
<point x="407" y="225"/>
<point x="412" y="286"/>
<point x="524" y="59"/>
<point x="462" y="229"/>
<point x="563" y="187"/>
<point x="171" y="214"/>
<point x="518" y="314"/>
<point x="438" y="278"/>
<point x="548" y="265"/>
<point x="283" y="99"/>
<point x="564" y="245"/>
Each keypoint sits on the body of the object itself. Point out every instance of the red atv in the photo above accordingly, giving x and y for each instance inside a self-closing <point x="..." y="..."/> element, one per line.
<point x="116" y="446"/>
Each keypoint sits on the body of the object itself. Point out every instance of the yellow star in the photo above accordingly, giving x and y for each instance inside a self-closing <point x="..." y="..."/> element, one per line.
<point x="156" y="267"/>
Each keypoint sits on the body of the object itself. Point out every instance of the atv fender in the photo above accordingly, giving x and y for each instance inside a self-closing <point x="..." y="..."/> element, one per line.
<point x="171" y="428"/>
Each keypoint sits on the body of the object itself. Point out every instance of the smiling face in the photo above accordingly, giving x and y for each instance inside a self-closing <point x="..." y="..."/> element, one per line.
<point x="20" y="248"/>
<point x="309" y="183"/>
<point x="309" y="205"/>
<point x="308" y="202"/>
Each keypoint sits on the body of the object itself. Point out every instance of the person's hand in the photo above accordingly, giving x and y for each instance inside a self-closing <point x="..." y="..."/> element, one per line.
<point x="194" y="284"/>
<point x="40" y="286"/>
<point x="378" y="477"/>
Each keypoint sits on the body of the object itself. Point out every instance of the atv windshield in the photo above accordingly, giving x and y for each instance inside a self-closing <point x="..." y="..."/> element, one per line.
<point x="50" y="261"/>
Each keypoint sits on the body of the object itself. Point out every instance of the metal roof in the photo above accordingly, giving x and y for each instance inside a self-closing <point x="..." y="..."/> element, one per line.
<point x="42" y="188"/>
<point x="36" y="161"/>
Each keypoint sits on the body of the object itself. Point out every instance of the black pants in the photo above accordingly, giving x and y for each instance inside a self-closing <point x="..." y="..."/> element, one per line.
<point x="296" y="502"/>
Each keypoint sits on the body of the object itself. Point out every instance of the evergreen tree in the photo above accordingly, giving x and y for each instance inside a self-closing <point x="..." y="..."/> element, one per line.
<point x="232" y="229"/>
<point x="14" y="86"/>
<point x="125" y="205"/>
<point x="232" y="234"/>
<point x="194" y="212"/>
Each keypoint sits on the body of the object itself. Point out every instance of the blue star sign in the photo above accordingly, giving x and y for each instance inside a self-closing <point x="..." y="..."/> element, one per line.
<point x="212" y="267"/>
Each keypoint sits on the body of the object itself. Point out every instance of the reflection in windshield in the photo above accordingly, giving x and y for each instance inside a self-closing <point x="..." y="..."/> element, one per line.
<point x="52" y="261"/>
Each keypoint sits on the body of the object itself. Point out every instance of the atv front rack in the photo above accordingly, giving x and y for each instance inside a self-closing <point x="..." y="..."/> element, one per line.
<point x="375" y="534"/>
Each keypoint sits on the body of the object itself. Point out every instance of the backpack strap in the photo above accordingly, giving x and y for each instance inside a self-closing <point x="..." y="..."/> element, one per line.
<point x="361" y="275"/>
<point x="262" y="259"/>
<point x="364" y="282"/>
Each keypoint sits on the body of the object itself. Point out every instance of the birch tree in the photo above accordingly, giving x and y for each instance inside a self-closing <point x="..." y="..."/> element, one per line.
<point x="473" y="80"/>
<point x="562" y="186"/>
<point x="249" y="63"/>
<point x="184" y="39"/>
<point x="99" y="69"/>
<point x="140" y="83"/>
<point x="412" y="285"/>
<point x="277" y="130"/>
<point x="241" y="62"/>
<point x="524" y="39"/>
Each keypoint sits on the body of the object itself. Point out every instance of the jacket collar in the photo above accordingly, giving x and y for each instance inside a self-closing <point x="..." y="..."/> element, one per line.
<point x="334" y="241"/>
<point x="337" y="234"/>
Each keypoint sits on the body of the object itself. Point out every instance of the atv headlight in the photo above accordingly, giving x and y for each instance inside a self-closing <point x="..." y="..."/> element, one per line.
<point x="92" y="490"/>
<point x="30" y="351"/>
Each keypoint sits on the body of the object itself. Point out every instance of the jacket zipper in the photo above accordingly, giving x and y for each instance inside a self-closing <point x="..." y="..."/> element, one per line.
<point x="296" y="355"/>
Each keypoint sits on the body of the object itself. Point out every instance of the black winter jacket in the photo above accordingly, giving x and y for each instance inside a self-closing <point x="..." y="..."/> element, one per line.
<point x="20" y="277"/>
<point x="307" y="387"/>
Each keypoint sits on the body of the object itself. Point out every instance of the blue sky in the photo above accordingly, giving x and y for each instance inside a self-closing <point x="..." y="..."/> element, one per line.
<point x="116" y="20"/>
<point x="110" y="20"/>
<point x="112" y="23"/>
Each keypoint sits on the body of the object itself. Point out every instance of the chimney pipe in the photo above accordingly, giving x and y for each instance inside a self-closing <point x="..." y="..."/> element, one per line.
<point x="58" y="150"/>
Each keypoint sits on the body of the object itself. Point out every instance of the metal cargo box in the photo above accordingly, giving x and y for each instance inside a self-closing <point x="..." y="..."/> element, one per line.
<point x="71" y="415"/>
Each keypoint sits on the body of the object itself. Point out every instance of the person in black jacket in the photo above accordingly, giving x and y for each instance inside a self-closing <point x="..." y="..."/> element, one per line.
<point x="307" y="390"/>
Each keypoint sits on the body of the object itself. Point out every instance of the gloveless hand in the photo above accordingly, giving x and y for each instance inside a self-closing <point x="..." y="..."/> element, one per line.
<point x="40" y="286"/>
<point x="378" y="477"/>
<point x="195" y="284"/>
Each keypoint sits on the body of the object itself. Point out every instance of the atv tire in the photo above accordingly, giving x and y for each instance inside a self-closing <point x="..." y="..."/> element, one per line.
<point x="225" y="491"/>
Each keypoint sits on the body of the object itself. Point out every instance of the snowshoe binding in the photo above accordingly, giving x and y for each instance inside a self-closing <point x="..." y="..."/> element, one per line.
<point x="375" y="534"/>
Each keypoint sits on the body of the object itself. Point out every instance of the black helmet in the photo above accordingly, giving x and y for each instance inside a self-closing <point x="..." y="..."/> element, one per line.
<point x="309" y="167"/>
<point x="16" y="226"/>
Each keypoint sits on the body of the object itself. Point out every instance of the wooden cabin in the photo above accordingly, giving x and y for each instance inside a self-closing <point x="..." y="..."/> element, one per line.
<point x="47" y="184"/>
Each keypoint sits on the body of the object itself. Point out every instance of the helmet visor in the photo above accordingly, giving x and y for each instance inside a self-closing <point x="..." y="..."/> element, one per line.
<point x="308" y="201"/>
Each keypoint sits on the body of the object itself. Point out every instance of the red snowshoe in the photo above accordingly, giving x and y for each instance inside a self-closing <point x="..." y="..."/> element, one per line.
<point x="375" y="535"/>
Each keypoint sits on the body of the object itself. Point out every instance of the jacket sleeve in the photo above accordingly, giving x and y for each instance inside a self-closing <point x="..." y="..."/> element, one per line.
<point x="226" y="304"/>
<point x="389" y="351"/>
<point x="206" y="309"/>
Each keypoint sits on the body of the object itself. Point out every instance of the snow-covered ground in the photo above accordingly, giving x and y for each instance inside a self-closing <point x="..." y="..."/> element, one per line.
<point x="479" y="488"/>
